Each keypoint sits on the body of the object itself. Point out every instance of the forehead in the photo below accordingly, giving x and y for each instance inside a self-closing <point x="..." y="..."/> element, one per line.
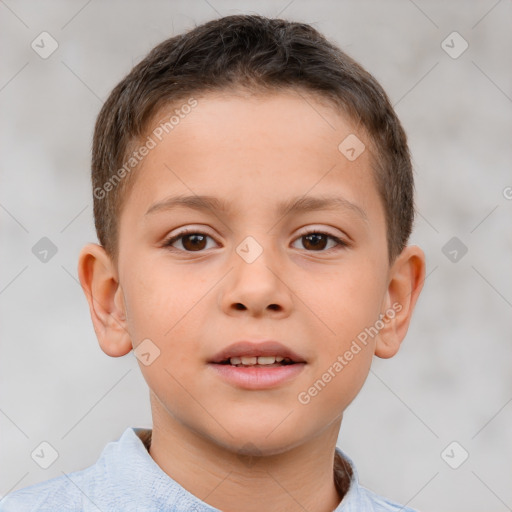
<point x="277" y="119"/>
<point x="248" y="148"/>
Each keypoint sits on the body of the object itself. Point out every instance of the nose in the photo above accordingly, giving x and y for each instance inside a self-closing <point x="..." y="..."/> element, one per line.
<point x="257" y="288"/>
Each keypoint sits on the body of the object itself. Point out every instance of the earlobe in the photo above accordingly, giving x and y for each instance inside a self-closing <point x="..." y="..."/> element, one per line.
<point x="406" y="278"/>
<point x="100" y="284"/>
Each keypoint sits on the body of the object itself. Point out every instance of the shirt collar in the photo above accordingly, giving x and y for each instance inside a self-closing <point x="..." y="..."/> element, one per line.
<point x="132" y="452"/>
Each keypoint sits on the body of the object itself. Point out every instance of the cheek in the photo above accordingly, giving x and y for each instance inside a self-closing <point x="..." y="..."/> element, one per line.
<point x="348" y="303"/>
<point x="158" y="302"/>
<point x="333" y="391"/>
<point x="162" y="306"/>
<point x="337" y="375"/>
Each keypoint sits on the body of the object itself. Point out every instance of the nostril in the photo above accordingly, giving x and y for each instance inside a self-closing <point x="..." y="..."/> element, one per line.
<point x="240" y="307"/>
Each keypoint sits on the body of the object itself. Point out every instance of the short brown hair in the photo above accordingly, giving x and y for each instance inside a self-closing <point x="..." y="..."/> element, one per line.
<point x="259" y="54"/>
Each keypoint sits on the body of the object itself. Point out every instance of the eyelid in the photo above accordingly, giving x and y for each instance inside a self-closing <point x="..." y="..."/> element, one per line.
<point x="188" y="229"/>
<point x="318" y="229"/>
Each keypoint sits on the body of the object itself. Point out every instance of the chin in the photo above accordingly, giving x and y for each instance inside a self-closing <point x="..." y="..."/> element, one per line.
<point x="258" y="441"/>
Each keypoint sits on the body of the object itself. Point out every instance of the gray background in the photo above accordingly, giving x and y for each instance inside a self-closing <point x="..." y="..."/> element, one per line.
<point x="452" y="379"/>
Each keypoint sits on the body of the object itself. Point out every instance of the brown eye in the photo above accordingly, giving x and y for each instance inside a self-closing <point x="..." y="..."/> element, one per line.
<point x="194" y="242"/>
<point x="190" y="241"/>
<point x="318" y="241"/>
<point x="315" y="241"/>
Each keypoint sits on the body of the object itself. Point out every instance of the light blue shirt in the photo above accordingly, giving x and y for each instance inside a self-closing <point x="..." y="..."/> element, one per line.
<point x="126" y="478"/>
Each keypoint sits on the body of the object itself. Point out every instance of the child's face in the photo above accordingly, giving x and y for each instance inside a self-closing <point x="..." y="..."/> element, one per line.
<point x="309" y="294"/>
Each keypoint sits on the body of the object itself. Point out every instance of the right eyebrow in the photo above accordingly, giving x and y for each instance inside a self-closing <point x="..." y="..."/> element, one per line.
<point x="194" y="202"/>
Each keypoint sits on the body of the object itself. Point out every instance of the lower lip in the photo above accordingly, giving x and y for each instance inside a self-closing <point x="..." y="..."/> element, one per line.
<point x="257" y="377"/>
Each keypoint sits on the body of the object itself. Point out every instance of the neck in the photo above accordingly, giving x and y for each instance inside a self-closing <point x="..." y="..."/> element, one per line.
<point x="301" y="478"/>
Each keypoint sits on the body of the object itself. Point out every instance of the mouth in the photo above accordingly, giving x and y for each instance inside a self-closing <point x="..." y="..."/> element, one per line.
<point x="263" y="361"/>
<point x="255" y="366"/>
<point x="268" y="354"/>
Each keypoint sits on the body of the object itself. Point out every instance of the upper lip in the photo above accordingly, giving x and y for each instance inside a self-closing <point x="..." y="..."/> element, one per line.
<point x="252" y="349"/>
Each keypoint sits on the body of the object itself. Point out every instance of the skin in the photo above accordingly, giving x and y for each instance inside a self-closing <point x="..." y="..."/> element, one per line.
<point x="253" y="152"/>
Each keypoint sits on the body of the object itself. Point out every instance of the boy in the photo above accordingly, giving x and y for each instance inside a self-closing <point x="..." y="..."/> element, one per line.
<point x="253" y="198"/>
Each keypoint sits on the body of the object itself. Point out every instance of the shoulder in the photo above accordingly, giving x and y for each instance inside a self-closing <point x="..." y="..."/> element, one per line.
<point x="356" y="497"/>
<point x="381" y="504"/>
<point x="70" y="492"/>
<point x="123" y="478"/>
<point x="61" y="493"/>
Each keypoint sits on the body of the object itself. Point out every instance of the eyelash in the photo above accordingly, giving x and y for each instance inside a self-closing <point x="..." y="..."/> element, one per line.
<point x="341" y="244"/>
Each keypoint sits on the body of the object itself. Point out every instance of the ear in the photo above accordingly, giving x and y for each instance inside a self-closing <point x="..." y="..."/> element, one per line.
<point x="405" y="282"/>
<point x="104" y="294"/>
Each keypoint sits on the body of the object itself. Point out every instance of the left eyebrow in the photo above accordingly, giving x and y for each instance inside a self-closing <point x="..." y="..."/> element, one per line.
<point x="312" y="203"/>
<point x="295" y="205"/>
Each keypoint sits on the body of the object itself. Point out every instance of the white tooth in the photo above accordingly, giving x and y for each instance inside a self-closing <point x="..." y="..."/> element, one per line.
<point x="235" y="360"/>
<point x="279" y="359"/>
<point x="249" y="360"/>
<point x="266" y="360"/>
